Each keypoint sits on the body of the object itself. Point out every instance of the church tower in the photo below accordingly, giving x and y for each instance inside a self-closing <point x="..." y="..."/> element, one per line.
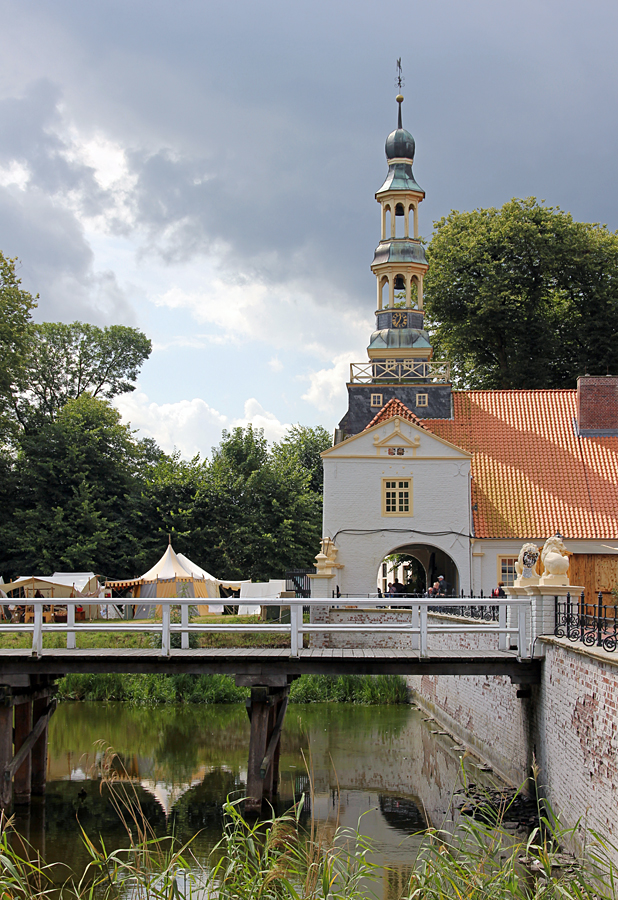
<point x="400" y="364"/>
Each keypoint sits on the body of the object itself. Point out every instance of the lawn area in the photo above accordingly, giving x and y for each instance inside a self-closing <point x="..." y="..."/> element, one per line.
<point x="145" y="640"/>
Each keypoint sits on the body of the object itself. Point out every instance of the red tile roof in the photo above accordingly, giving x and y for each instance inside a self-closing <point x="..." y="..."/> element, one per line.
<point x="393" y="408"/>
<point x="532" y="474"/>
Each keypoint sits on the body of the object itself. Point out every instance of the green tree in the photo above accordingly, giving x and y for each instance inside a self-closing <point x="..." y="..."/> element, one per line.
<point x="16" y="307"/>
<point x="75" y="480"/>
<point x="304" y="445"/>
<point x="522" y="296"/>
<point x="63" y="362"/>
<point x="255" y="514"/>
<point x="165" y="505"/>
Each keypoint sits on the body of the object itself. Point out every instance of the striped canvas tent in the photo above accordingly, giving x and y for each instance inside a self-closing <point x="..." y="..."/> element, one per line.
<point x="174" y="575"/>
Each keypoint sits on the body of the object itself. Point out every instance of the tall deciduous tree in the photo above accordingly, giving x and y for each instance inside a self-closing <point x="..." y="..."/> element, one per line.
<point x="63" y="362"/>
<point x="75" y="480"/>
<point x="255" y="514"/>
<point x="522" y="296"/>
<point x="303" y="444"/>
<point x="16" y="307"/>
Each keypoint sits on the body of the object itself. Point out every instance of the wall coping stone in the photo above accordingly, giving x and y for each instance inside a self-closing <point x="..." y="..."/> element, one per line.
<point x="581" y="649"/>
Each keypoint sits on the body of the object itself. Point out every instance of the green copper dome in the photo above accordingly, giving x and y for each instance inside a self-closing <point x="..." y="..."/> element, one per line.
<point x="400" y="145"/>
<point x="399" y="339"/>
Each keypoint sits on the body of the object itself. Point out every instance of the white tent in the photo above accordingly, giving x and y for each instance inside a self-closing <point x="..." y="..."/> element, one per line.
<point x="59" y="586"/>
<point x="176" y="576"/>
<point x="249" y="591"/>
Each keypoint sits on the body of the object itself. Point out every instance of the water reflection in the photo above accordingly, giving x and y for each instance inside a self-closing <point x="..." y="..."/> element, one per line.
<point x="377" y="765"/>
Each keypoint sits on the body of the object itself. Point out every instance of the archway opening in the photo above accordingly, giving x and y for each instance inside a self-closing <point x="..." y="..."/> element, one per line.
<point x="417" y="567"/>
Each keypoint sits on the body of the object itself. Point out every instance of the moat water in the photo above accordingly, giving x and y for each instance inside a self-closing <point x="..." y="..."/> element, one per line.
<point x="386" y="768"/>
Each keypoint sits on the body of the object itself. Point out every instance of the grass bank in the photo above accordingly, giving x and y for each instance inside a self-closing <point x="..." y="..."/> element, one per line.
<point x="144" y="640"/>
<point x="151" y="689"/>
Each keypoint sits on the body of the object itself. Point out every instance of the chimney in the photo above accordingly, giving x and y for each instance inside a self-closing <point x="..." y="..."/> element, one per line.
<point x="597" y="405"/>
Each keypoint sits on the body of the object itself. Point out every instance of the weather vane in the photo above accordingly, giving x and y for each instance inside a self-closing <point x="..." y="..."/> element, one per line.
<point x="400" y="80"/>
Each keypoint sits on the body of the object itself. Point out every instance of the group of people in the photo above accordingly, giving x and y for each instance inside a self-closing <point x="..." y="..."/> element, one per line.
<point x="439" y="588"/>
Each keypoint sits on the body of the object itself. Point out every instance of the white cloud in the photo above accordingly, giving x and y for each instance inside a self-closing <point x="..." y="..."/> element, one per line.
<point x="15" y="173"/>
<point x="192" y="426"/>
<point x="279" y="315"/>
<point x="327" y="390"/>
<point x="256" y="415"/>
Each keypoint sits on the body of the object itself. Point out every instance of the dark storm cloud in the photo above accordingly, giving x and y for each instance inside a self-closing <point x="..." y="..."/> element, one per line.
<point x="255" y="131"/>
<point x="35" y="225"/>
<point x="56" y="261"/>
<point x="30" y="135"/>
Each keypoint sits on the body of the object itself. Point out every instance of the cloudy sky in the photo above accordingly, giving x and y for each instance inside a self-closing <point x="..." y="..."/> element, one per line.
<point x="205" y="171"/>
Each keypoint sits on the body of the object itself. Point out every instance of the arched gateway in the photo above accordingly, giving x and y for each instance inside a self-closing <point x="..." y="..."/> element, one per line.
<point x="395" y="485"/>
<point x="432" y="562"/>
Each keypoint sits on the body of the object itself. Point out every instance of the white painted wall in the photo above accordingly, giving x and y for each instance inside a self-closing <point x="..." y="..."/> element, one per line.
<point x="353" y="476"/>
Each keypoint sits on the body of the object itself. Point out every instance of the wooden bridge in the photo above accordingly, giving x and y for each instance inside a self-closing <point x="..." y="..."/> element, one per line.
<point x="27" y="676"/>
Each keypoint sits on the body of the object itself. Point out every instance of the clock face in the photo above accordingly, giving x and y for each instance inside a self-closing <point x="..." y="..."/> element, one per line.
<point x="400" y="319"/>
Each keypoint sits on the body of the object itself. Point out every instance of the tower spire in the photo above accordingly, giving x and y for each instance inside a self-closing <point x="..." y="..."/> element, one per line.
<point x="400" y="81"/>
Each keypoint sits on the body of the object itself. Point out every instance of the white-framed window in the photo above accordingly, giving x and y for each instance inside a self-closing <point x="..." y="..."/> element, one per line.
<point x="422" y="399"/>
<point x="506" y="570"/>
<point x="376" y="400"/>
<point x="396" y="496"/>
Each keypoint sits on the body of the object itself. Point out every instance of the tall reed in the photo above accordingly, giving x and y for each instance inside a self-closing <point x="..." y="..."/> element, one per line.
<point x="279" y="859"/>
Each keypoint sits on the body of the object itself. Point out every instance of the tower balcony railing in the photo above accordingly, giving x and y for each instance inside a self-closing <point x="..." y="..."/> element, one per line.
<point x="385" y="371"/>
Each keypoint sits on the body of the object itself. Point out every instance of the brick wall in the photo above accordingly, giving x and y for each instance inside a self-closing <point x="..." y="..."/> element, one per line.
<point x="597" y="404"/>
<point x="382" y="640"/>
<point x="569" y="724"/>
<point x="579" y="724"/>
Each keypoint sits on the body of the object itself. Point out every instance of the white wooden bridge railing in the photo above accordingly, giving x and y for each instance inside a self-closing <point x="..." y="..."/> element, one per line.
<point x="513" y="616"/>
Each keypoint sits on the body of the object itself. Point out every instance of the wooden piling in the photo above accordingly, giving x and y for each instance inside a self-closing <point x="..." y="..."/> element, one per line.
<point x="258" y="739"/>
<point x="23" y="776"/>
<point x="266" y="712"/>
<point x="39" y="751"/>
<point x="6" y="754"/>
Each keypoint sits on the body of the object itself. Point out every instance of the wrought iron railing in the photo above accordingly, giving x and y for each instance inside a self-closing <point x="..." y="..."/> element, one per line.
<point x="593" y="624"/>
<point x="298" y="580"/>
<point x="484" y="613"/>
<point x="386" y="372"/>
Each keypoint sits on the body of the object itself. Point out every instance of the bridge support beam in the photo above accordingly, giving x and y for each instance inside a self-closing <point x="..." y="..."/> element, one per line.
<point x="23" y="775"/>
<point x="6" y="754"/>
<point x="26" y="706"/>
<point x="266" y="710"/>
<point x="39" y="751"/>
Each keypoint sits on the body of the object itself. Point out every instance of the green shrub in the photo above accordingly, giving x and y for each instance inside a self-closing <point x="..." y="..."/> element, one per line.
<point x="370" y="689"/>
<point x="151" y="689"/>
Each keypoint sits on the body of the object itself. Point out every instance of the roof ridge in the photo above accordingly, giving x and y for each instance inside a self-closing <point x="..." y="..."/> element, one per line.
<point x="516" y="391"/>
<point x="395" y="407"/>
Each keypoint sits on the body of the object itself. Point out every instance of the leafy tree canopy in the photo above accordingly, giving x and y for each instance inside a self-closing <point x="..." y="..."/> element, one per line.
<point x="304" y="445"/>
<point x="256" y="514"/>
<point x="522" y="296"/>
<point x="63" y="362"/>
<point x="16" y="307"/>
<point x="82" y="493"/>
